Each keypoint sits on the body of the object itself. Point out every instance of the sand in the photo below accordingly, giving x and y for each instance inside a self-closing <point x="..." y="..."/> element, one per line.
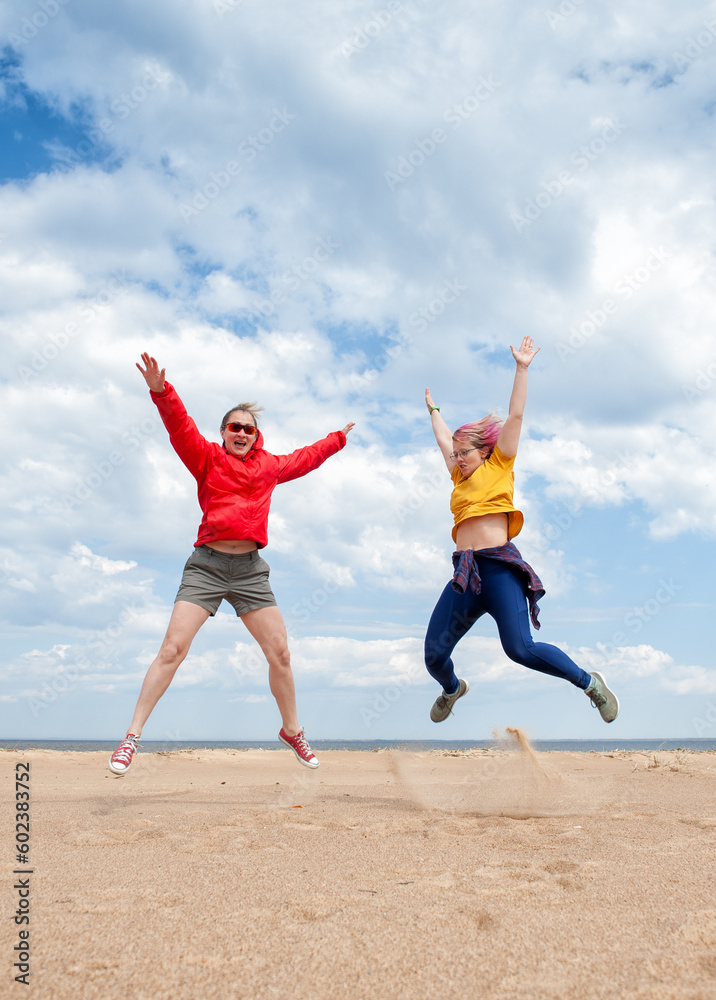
<point x="477" y="874"/>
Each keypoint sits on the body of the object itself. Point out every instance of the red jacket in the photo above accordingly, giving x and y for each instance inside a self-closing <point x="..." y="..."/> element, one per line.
<point x="235" y="493"/>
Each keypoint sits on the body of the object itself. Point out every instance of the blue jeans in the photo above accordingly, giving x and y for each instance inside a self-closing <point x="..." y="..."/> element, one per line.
<point x="503" y="598"/>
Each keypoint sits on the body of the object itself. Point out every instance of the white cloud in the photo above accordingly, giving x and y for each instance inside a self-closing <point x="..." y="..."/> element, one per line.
<point x="108" y="567"/>
<point x="599" y="466"/>
<point x="305" y="282"/>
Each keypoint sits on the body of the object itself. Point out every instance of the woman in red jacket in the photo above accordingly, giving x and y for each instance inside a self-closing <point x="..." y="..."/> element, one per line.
<point x="235" y="481"/>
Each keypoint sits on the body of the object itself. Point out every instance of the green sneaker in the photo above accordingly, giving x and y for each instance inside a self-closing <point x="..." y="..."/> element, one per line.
<point x="602" y="698"/>
<point x="444" y="703"/>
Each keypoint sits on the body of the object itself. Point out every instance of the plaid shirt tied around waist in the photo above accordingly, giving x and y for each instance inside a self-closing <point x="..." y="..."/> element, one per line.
<point x="467" y="573"/>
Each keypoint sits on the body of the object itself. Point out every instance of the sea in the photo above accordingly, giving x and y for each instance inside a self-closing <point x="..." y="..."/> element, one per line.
<point x="415" y="746"/>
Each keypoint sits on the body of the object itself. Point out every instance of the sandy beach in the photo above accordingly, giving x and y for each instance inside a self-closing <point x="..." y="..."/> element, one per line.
<point x="489" y="874"/>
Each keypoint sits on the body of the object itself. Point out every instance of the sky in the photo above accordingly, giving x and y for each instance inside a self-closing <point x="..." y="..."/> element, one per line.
<point x="327" y="208"/>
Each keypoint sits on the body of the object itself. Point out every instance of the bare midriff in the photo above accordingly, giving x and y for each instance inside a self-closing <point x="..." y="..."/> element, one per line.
<point x="234" y="546"/>
<point x="484" y="532"/>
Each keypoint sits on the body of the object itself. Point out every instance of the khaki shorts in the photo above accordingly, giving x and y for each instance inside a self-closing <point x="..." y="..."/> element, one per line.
<point x="211" y="577"/>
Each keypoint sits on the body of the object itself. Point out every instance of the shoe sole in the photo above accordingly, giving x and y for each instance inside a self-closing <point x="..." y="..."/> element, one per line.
<point x="595" y="673"/>
<point x="312" y="764"/>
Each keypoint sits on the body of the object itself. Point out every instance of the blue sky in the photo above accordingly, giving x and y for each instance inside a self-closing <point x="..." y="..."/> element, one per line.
<point x="327" y="210"/>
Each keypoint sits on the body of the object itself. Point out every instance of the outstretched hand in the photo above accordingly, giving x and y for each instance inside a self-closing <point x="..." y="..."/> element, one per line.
<point x="428" y="399"/>
<point x="348" y="428"/>
<point x="525" y="353"/>
<point x="152" y="375"/>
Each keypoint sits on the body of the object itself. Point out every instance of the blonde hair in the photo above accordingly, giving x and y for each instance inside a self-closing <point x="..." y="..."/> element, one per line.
<point x="252" y="408"/>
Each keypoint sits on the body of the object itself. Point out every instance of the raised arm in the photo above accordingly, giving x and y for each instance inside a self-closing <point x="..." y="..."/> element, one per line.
<point x="510" y="434"/>
<point x="442" y="432"/>
<point x="191" y="446"/>
<point x="304" y="460"/>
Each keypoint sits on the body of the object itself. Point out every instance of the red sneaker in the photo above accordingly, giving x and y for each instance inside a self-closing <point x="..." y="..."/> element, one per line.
<point x="299" y="745"/>
<point x="122" y="757"/>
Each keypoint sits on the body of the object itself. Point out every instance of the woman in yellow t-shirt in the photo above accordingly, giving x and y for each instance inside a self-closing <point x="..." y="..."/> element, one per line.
<point x="490" y="574"/>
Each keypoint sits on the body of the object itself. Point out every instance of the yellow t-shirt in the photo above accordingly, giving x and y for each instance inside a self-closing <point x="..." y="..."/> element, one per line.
<point x="489" y="490"/>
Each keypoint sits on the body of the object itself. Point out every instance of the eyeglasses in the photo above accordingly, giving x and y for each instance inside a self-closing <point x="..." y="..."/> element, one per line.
<point x="246" y="428"/>
<point x="454" y="455"/>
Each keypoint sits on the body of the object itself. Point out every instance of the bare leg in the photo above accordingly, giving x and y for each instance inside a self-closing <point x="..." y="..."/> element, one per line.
<point x="185" y="622"/>
<point x="267" y="627"/>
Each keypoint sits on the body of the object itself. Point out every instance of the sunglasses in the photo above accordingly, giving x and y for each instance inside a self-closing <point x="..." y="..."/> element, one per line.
<point x="246" y="428"/>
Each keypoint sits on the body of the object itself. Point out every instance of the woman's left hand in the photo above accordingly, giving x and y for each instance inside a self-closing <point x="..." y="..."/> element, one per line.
<point x="348" y="428"/>
<point x="525" y="353"/>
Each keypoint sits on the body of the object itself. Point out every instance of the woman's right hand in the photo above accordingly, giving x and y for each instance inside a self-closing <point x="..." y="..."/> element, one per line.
<point x="152" y="375"/>
<point x="428" y="400"/>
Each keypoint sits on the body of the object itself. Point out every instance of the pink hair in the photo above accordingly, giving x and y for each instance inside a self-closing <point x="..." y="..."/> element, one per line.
<point x="481" y="433"/>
